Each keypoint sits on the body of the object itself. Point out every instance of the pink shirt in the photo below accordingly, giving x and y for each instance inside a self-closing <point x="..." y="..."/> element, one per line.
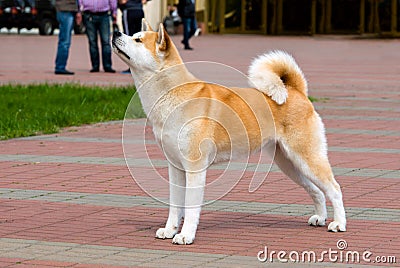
<point x="98" y="6"/>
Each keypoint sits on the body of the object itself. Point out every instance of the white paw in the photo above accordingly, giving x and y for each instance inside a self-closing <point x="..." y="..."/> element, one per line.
<point x="182" y="239"/>
<point x="336" y="226"/>
<point x="164" y="233"/>
<point x="317" y="220"/>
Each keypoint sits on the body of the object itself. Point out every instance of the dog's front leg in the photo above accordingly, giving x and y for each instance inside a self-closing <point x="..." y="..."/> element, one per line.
<point x="177" y="202"/>
<point x="195" y="183"/>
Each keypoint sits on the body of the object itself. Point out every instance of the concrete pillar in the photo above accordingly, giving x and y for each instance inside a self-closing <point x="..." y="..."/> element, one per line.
<point x="393" y="29"/>
<point x="313" y="27"/>
<point x="361" y="29"/>
<point x="155" y="11"/>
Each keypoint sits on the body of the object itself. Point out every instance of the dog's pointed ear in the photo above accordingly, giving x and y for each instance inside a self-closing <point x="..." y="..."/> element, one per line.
<point x="163" y="38"/>
<point x="146" y="26"/>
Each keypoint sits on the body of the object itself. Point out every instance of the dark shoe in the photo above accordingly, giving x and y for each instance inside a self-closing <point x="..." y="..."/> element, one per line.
<point x="109" y="70"/>
<point x="128" y="71"/>
<point x="188" y="48"/>
<point x="94" y="70"/>
<point x="63" y="72"/>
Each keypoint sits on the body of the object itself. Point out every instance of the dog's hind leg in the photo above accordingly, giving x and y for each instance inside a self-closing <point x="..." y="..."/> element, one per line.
<point x="314" y="165"/>
<point x="195" y="183"/>
<point x="176" y="203"/>
<point x="322" y="176"/>
<point x="316" y="194"/>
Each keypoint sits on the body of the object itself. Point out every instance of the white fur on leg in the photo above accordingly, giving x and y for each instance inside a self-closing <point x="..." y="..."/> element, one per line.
<point x="188" y="232"/>
<point x="172" y="225"/>
<point x="177" y="202"/>
<point x="183" y="239"/>
<point x="337" y="227"/>
<point x="331" y="189"/>
<point x="339" y="215"/>
<point x="164" y="233"/>
<point x="287" y="166"/>
<point x="317" y="220"/>
<point x="195" y="183"/>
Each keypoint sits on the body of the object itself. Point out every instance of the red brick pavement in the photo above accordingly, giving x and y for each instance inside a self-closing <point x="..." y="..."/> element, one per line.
<point x="358" y="83"/>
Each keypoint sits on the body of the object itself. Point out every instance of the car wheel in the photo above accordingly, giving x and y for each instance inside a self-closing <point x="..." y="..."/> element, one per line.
<point x="46" y="27"/>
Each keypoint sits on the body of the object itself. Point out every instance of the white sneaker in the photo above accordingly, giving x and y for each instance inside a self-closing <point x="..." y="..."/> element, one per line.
<point x="197" y="32"/>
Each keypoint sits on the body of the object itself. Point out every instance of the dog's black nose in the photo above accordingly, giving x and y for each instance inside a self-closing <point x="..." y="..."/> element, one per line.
<point x="117" y="34"/>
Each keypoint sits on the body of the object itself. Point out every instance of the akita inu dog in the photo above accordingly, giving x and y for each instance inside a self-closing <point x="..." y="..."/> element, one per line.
<point x="275" y="112"/>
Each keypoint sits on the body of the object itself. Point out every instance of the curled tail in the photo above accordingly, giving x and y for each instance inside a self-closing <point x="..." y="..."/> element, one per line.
<point x="272" y="74"/>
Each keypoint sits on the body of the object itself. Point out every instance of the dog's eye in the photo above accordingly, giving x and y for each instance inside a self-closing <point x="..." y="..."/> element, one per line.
<point x="138" y="40"/>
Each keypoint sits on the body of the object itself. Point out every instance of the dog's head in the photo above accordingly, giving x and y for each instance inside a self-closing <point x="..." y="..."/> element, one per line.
<point x="146" y="51"/>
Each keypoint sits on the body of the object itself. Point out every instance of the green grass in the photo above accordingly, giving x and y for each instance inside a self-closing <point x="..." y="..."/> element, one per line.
<point x="27" y="110"/>
<point x="314" y="99"/>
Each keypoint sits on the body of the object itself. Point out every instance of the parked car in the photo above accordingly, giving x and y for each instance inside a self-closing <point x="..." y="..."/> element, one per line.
<point x="31" y="14"/>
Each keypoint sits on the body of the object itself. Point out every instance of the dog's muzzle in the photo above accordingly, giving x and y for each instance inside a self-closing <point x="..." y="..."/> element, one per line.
<point x="117" y="42"/>
<point x="117" y="34"/>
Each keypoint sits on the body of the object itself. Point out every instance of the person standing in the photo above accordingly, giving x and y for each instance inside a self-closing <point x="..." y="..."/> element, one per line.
<point x="96" y="17"/>
<point x="132" y="15"/>
<point x="67" y="10"/>
<point x="187" y="12"/>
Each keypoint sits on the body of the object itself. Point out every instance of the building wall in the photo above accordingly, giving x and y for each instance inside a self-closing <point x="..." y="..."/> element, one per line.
<point x="284" y="17"/>
<point x="155" y="11"/>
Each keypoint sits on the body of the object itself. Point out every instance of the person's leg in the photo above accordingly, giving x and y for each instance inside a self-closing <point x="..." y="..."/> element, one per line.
<point x="186" y="32"/>
<point x="197" y="30"/>
<point x="104" y="30"/>
<point x="65" y="20"/>
<point x="135" y="21"/>
<point x="193" y="26"/>
<point x="125" y="23"/>
<point x="91" y="32"/>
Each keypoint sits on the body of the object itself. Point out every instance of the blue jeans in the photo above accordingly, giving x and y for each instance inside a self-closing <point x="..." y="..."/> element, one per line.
<point x="98" y="24"/>
<point x="189" y="28"/>
<point x="66" y="23"/>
